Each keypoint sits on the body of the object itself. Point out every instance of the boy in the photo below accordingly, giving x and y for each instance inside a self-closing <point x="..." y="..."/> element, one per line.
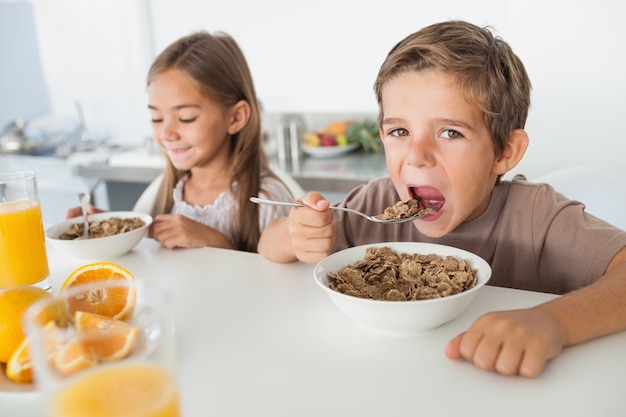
<point x="453" y="103"/>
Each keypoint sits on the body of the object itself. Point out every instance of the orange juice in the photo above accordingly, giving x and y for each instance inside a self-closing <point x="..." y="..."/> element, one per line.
<point x="23" y="258"/>
<point x="125" y="390"/>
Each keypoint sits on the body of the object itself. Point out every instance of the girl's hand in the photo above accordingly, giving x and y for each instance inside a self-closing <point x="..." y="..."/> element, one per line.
<point x="177" y="231"/>
<point x="510" y="342"/>
<point x="312" y="228"/>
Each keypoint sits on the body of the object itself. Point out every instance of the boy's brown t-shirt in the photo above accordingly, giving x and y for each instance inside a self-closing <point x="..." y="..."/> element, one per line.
<point x="533" y="237"/>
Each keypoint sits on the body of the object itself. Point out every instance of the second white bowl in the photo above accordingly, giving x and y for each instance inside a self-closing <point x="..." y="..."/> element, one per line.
<point x="102" y="248"/>
<point x="401" y="317"/>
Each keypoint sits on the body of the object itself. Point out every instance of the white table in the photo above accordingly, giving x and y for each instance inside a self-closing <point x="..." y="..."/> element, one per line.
<point x="261" y="339"/>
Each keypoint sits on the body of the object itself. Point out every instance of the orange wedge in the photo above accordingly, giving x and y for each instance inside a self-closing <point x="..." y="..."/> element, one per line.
<point x="74" y="356"/>
<point x="110" y="339"/>
<point x="20" y="365"/>
<point x="116" y="303"/>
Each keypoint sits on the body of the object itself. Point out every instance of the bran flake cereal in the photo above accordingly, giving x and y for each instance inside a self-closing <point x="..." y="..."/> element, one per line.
<point x="385" y="274"/>
<point x="404" y="209"/>
<point x="108" y="227"/>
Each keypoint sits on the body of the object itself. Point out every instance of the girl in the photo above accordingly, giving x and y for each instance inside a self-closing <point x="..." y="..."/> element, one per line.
<point x="206" y="118"/>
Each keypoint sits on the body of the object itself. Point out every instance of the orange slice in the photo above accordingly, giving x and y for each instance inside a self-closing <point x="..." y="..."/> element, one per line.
<point x="20" y="365"/>
<point x="117" y="302"/>
<point x="110" y="339"/>
<point x="74" y="356"/>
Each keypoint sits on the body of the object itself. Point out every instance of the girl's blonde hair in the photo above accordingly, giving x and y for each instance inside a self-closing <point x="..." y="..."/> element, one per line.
<point x="219" y="69"/>
<point x="488" y="73"/>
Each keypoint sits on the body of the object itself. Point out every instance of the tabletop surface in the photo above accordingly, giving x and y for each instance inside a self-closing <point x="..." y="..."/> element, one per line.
<point x="260" y="338"/>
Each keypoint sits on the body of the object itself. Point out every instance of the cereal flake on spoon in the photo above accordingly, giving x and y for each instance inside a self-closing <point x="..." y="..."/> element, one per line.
<point x="404" y="209"/>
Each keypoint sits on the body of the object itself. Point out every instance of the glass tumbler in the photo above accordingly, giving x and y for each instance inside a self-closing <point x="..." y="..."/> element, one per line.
<point x="23" y="258"/>
<point x="87" y="363"/>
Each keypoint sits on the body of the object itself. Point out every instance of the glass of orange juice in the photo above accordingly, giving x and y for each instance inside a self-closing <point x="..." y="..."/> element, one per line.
<point x="23" y="259"/>
<point x="105" y="348"/>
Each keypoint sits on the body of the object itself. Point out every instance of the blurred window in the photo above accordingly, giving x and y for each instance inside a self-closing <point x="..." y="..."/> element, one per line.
<point x="97" y="53"/>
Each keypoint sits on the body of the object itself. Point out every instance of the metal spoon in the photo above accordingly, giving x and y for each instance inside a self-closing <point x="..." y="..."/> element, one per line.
<point x="376" y="219"/>
<point x="84" y="202"/>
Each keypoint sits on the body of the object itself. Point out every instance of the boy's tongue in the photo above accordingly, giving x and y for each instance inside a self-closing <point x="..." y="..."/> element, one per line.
<point x="429" y="197"/>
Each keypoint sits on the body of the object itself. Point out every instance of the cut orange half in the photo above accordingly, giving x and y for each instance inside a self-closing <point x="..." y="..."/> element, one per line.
<point x="74" y="356"/>
<point x="115" y="302"/>
<point x="110" y="339"/>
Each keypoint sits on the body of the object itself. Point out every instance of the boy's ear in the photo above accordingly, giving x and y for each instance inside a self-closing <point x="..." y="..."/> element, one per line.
<point x="239" y="115"/>
<point x="513" y="151"/>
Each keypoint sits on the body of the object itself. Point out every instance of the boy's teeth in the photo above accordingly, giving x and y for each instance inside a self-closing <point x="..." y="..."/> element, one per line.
<point x="433" y="204"/>
<point x="428" y="197"/>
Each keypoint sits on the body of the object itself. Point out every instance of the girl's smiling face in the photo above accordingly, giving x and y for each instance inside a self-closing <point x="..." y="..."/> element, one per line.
<point x="438" y="149"/>
<point x="192" y="129"/>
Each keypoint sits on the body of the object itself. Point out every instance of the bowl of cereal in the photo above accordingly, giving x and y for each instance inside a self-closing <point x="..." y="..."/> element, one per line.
<point x="402" y="288"/>
<point x="111" y="234"/>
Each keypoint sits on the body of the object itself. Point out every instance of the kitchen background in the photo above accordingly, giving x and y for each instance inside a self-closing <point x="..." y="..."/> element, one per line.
<point x="76" y="70"/>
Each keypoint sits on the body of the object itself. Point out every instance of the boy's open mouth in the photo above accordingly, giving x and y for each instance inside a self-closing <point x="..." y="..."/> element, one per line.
<point x="428" y="197"/>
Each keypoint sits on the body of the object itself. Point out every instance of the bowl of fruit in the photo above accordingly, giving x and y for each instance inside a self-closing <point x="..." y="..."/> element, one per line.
<point x="340" y="137"/>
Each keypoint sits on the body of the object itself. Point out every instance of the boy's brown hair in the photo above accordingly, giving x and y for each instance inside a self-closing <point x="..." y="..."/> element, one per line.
<point x="488" y="73"/>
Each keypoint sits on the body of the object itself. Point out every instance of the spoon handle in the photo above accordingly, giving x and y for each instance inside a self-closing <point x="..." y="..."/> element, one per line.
<point x="274" y="203"/>
<point x="85" y="199"/>
<point x="288" y="204"/>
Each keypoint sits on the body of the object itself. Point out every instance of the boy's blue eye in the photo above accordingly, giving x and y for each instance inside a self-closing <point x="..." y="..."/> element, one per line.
<point x="451" y="134"/>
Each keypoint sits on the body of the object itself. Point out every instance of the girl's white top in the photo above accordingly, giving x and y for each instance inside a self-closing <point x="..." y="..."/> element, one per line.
<point x="218" y="215"/>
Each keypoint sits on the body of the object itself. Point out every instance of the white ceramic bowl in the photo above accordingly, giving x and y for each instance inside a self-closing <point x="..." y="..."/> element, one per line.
<point x="98" y="249"/>
<point x="401" y="317"/>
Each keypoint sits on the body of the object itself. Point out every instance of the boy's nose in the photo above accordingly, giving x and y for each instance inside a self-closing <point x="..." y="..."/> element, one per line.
<point x="420" y="152"/>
